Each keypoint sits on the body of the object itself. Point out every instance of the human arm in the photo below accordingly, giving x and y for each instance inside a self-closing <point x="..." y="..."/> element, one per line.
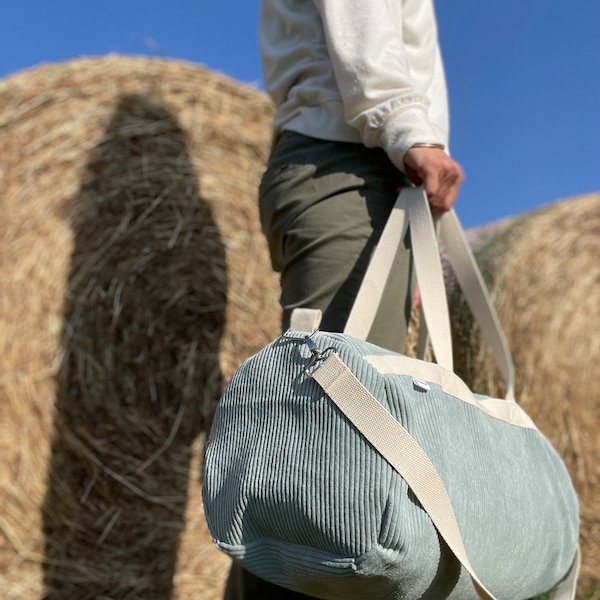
<point x="388" y="70"/>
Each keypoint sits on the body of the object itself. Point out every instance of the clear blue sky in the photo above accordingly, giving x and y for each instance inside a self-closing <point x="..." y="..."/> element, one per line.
<point x="523" y="76"/>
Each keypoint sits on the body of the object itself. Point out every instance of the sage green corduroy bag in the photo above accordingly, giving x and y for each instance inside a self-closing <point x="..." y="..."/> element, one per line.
<point x="344" y="471"/>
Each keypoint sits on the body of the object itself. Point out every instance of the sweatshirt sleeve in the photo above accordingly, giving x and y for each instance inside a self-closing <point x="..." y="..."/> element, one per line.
<point x="387" y="65"/>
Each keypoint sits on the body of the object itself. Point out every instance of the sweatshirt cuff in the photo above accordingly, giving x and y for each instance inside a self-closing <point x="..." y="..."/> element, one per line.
<point x="406" y="129"/>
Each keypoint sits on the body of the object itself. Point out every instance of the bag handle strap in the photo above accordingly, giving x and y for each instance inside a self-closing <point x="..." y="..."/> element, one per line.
<point x="412" y="208"/>
<point x="404" y="454"/>
<point x="464" y="265"/>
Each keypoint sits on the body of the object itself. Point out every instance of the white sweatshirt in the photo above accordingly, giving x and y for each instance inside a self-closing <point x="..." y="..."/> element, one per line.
<point x="356" y="71"/>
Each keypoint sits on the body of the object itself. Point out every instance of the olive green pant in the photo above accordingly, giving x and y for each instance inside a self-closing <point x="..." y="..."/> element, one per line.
<point x="323" y="206"/>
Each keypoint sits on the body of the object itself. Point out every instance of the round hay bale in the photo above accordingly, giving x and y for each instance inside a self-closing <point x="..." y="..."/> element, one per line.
<point x="543" y="272"/>
<point x="135" y="279"/>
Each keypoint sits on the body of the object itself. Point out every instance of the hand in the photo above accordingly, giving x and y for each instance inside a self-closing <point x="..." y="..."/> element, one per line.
<point x="440" y="176"/>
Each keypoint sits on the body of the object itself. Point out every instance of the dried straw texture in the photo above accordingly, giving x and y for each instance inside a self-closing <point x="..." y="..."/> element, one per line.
<point x="135" y="279"/>
<point x="543" y="270"/>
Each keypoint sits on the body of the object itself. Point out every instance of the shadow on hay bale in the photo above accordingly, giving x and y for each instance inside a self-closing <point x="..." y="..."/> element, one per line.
<point x="56" y="123"/>
<point x="139" y="376"/>
<point x="543" y="272"/>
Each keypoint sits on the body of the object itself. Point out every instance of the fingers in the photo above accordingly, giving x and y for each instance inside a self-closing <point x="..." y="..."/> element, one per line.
<point x="439" y="174"/>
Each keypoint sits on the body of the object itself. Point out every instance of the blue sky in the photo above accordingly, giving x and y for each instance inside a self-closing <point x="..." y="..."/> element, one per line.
<point x="523" y="77"/>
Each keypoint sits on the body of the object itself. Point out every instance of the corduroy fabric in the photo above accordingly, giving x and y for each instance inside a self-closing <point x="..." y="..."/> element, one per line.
<point x="296" y="494"/>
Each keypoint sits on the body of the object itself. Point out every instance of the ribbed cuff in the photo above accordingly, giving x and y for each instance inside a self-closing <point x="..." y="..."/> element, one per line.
<point x="408" y="128"/>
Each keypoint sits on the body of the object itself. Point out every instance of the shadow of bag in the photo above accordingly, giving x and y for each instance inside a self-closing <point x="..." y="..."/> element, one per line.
<point x="341" y="470"/>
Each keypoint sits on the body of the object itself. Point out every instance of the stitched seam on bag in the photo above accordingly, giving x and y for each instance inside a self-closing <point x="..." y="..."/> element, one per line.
<point x="449" y="382"/>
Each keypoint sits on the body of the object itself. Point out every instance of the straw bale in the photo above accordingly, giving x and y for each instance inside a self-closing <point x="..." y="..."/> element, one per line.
<point x="135" y="279"/>
<point x="543" y="271"/>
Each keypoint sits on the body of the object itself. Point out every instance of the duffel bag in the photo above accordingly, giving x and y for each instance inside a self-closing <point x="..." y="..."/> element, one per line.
<point x="345" y="471"/>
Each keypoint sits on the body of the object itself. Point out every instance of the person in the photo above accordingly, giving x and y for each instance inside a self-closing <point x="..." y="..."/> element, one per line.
<point x="361" y="111"/>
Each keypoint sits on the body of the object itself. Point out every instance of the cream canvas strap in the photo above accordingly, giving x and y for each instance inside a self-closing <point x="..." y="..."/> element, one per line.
<point x="305" y="319"/>
<point x="475" y="291"/>
<point x="412" y="208"/>
<point x="404" y="454"/>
